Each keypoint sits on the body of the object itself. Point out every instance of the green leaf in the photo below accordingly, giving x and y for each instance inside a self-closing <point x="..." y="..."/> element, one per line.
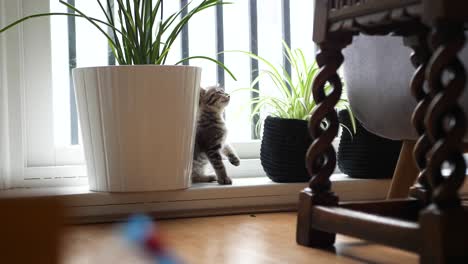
<point x="349" y="131"/>
<point x="296" y="100"/>
<point x="131" y="38"/>
<point x="210" y="59"/>
<point x="351" y="117"/>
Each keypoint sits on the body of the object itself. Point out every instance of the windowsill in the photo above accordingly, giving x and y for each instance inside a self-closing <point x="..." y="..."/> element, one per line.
<point x="246" y="195"/>
<point x="251" y="192"/>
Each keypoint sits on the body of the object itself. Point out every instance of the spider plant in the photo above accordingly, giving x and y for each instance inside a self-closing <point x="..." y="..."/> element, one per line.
<point x="296" y="100"/>
<point x="139" y="34"/>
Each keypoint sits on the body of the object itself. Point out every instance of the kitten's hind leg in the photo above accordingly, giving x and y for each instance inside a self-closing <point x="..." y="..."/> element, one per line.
<point x="203" y="178"/>
<point x="198" y="170"/>
<point x="228" y="151"/>
<point x="217" y="162"/>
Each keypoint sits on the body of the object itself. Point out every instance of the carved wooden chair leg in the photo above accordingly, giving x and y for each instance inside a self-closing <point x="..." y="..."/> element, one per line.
<point x="321" y="157"/>
<point x="419" y="58"/>
<point x="408" y="169"/>
<point x="443" y="224"/>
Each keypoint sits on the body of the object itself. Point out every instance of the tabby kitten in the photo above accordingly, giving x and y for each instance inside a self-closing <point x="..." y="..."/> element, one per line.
<point x="210" y="137"/>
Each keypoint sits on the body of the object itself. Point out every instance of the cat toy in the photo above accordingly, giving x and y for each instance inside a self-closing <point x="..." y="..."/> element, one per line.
<point x="141" y="231"/>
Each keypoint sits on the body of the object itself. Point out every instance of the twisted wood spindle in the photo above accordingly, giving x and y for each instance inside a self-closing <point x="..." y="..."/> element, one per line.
<point x="419" y="58"/>
<point x="445" y="121"/>
<point x="323" y="125"/>
<point x="321" y="157"/>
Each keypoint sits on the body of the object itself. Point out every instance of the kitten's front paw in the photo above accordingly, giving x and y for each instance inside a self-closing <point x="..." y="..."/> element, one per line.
<point x="225" y="181"/>
<point x="234" y="160"/>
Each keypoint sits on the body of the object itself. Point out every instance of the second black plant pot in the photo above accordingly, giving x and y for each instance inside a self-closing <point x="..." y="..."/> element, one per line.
<point x="364" y="154"/>
<point x="283" y="149"/>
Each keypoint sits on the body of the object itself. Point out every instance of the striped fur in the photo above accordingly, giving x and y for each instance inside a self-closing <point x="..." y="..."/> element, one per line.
<point x="211" y="136"/>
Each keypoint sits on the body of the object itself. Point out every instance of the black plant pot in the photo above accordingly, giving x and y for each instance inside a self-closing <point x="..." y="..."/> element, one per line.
<point x="364" y="154"/>
<point x="283" y="149"/>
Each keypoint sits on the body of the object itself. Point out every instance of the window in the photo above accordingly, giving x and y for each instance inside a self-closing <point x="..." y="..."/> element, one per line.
<point x="51" y="47"/>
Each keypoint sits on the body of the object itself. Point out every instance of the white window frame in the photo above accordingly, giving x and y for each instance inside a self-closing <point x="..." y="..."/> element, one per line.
<point x="32" y="155"/>
<point x="38" y="95"/>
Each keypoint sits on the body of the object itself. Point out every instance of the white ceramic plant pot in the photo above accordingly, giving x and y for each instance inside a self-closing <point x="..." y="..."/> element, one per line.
<point x="138" y="125"/>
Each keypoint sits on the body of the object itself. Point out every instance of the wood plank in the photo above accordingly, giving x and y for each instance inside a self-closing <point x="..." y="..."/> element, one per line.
<point x="385" y="230"/>
<point x="407" y="209"/>
<point x="367" y="8"/>
<point x="245" y="239"/>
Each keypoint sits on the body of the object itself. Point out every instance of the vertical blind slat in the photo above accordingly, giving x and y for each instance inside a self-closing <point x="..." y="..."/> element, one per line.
<point x="72" y="65"/>
<point x="111" y="56"/>
<point x="286" y="33"/>
<point x="184" y="34"/>
<point x="253" y="34"/>
<point x="220" y="43"/>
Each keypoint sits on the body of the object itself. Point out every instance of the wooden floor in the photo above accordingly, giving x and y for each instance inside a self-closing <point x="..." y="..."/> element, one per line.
<point x="240" y="239"/>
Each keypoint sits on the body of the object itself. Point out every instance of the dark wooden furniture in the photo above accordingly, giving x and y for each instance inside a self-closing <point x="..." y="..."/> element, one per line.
<point x="432" y="221"/>
<point x="31" y="230"/>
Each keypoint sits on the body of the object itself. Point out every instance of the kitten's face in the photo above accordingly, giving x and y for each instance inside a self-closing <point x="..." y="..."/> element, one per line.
<point x="214" y="98"/>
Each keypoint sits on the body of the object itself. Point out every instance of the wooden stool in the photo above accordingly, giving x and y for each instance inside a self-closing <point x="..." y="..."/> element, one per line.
<point x="432" y="222"/>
